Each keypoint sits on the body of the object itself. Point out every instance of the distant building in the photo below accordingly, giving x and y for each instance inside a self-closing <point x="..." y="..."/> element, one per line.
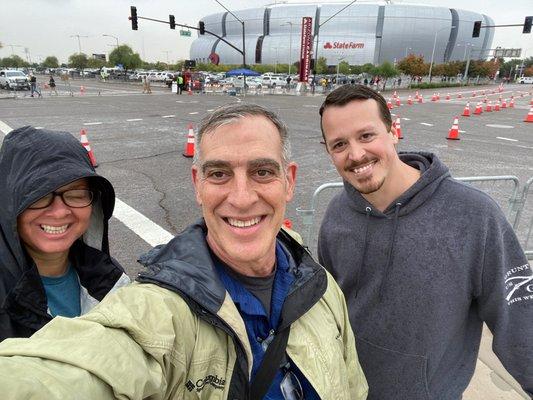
<point x="363" y="33"/>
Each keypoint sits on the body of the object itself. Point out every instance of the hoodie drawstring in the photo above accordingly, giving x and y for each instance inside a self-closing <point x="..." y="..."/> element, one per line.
<point x="363" y="253"/>
<point x="391" y="248"/>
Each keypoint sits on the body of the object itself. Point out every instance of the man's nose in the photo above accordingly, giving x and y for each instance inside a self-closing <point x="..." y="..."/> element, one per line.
<point x="242" y="193"/>
<point x="58" y="207"/>
<point x="356" y="152"/>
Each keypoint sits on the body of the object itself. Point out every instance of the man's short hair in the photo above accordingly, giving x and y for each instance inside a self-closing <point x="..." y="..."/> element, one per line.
<point x="348" y="93"/>
<point x="231" y="113"/>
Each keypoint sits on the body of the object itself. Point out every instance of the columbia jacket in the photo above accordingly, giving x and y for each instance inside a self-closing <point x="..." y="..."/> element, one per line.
<point x="178" y="335"/>
<point x="34" y="163"/>
<point x="421" y="277"/>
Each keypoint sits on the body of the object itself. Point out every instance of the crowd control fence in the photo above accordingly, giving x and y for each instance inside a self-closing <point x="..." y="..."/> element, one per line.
<point x="505" y="190"/>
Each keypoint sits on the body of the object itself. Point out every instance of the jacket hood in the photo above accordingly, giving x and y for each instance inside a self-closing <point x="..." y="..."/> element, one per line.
<point x="433" y="171"/>
<point x="185" y="265"/>
<point x="34" y="163"/>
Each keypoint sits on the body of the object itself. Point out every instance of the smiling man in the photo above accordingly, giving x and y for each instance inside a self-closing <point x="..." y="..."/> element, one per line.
<point x="423" y="260"/>
<point x="232" y="308"/>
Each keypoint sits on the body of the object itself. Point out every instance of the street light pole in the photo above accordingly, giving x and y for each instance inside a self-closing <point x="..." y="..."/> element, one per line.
<point x="433" y="52"/>
<point x="338" y="63"/>
<point x="290" y="44"/>
<point x="406" y="49"/>
<point x="79" y="41"/>
<point x="116" y="38"/>
<point x="317" y="34"/>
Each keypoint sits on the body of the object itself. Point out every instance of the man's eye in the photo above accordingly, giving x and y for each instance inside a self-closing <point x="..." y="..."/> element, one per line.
<point x="367" y="136"/>
<point x="216" y="174"/>
<point x="338" y="146"/>
<point x="264" y="173"/>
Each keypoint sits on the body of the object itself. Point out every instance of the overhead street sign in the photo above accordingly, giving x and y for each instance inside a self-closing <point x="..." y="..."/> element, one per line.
<point x="185" y="33"/>
<point x="507" y="53"/>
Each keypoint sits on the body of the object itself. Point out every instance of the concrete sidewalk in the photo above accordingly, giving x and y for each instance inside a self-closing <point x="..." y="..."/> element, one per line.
<point x="491" y="381"/>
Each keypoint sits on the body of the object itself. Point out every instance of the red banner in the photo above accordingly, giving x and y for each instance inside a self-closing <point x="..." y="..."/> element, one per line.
<point x="306" y="48"/>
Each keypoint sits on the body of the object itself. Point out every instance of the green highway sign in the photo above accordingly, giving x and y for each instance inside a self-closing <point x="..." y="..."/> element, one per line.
<point x="185" y="33"/>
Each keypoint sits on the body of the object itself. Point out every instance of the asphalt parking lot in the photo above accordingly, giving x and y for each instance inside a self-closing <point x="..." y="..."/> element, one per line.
<point x="138" y="141"/>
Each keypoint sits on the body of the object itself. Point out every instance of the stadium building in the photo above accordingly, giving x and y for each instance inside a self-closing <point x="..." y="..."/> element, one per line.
<point x="362" y="33"/>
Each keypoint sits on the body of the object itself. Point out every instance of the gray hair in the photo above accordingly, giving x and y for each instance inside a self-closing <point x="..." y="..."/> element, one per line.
<point x="230" y="113"/>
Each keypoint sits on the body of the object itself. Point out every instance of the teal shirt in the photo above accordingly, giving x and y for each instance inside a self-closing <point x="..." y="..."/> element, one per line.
<point x="63" y="294"/>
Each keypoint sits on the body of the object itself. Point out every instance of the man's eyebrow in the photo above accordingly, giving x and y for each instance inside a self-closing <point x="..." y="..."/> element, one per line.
<point x="215" y="164"/>
<point x="264" y="162"/>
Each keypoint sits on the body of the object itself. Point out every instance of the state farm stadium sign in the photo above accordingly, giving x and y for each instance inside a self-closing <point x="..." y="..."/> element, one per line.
<point x="344" y="45"/>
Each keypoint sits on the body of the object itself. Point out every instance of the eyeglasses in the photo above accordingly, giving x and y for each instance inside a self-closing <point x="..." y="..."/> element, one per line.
<point x="75" y="198"/>
<point x="290" y="386"/>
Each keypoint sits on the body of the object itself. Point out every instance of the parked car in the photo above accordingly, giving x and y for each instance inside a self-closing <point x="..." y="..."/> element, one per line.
<point x="271" y="81"/>
<point x="13" y="79"/>
<point x="525" y="79"/>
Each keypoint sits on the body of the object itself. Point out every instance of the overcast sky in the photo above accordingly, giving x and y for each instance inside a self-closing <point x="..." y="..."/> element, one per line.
<point x="46" y="27"/>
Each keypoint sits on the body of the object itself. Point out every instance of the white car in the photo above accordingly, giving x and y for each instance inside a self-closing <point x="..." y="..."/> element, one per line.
<point x="525" y="79"/>
<point x="271" y="81"/>
<point x="13" y="79"/>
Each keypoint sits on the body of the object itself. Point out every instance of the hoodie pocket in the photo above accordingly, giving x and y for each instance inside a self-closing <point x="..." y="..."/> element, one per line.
<point x="392" y="375"/>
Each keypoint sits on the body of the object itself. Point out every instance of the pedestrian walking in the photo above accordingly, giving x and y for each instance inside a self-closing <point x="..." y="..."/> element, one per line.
<point x="52" y="85"/>
<point x="33" y="84"/>
<point x="146" y="85"/>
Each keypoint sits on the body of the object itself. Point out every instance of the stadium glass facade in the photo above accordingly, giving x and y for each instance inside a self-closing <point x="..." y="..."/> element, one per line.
<point x="363" y="33"/>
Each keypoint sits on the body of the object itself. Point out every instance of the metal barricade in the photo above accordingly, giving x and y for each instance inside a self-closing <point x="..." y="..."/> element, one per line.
<point x="513" y="208"/>
<point x="526" y="214"/>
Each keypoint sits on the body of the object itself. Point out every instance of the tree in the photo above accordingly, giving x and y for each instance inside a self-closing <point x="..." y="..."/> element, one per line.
<point x="51" y="62"/>
<point x="78" y="61"/>
<point x="387" y="70"/>
<point x="413" y="66"/>
<point x="321" y="65"/>
<point x="124" y="55"/>
<point x="369" y="68"/>
<point x="95" y="63"/>
<point x="344" y="68"/>
<point x="13" y="62"/>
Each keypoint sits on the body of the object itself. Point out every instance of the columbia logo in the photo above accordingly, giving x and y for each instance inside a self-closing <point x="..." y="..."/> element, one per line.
<point x="190" y="386"/>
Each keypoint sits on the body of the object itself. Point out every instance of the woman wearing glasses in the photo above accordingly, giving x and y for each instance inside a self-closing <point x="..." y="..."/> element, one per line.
<point x="54" y="212"/>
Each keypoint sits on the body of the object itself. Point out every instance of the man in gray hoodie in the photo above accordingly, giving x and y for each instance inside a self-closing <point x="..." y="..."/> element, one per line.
<point x="420" y="276"/>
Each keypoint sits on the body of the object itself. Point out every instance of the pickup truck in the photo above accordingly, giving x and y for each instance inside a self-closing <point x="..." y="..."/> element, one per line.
<point x="12" y="79"/>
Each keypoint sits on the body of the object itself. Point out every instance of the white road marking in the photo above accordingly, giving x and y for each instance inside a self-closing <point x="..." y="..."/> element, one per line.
<point x="500" y="126"/>
<point x="426" y="124"/>
<point x="406" y="119"/>
<point x="179" y="101"/>
<point x="145" y="228"/>
<point x="193" y="113"/>
<point x="310" y="106"/>
<point x="211" y="109"/>
<point x="460" y="131"/>
<point x="39" y="127"/>
<point x="134" y="119"/>
<point x="92" y="123"/>
<point x="168" y="116"/>
<point x="504" y="138"/>
<point x="5" y="128"/>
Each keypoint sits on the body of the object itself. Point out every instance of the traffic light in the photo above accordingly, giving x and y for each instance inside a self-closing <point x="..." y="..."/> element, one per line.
<point x="201" y="25"/>
<point x="172" y="22"/>
<point x="527" y="25"/>
<point x="477" y="29"/>
<point x="133" y="18"/>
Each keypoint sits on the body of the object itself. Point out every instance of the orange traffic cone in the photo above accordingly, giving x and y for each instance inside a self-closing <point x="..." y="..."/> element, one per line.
<point x="82" y="90"/>
<point x="488" y="108"/>
<point x="453" y="134"/>
<point x="473" y="94"/>
<point x="189" y="146"/>
<point x="397" y="125"/>
<point x="85" y="142"/>
<point x="466" y="111"/>
<point x="189" y="90"/>
<point x="398" y="102"/>
<point x="497" y="106"/>
<point x="504" y="103"/>
<point x="410" y="100"/>
<point x="417" y="95"/>
<point x="420" y="98"/>
<point x="511" y="103"/>
<point x="448" y="96"/>
<point x="485" y="100"/>
<point x="438" y="96"/>
<point x="287" y="223"/>
<point x="434" y="97"/>
<point x="529" y="117"/>
<point x="460" y="96"/>
<point x="479" y="109"/>
<point x="394" y="95"/>
<point x="389" y="104"/>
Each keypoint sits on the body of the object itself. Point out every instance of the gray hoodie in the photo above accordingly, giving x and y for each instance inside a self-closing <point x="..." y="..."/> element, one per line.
<point x="422" y="276"/>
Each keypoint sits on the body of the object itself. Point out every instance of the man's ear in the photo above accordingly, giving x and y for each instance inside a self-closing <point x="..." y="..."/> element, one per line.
<point x="290" y="175"/>
<point x="196" y="181"/>
<point x="394" y="135"/>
